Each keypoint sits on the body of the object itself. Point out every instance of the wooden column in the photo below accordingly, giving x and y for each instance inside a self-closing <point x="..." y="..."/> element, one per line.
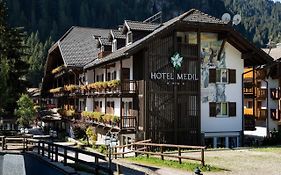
<point x="105" y="99"/>
<point x="121" y="81"/>
<point x="199" y="87"/>
<point x="176" y="113"/>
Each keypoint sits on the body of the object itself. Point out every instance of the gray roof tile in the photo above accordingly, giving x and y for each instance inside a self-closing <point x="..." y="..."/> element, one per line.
<point x="118" y="34"/>
<point x="144" y="26"/>
<point x="79" y="46"/>
<point x="104" y="41"/>
<point x="191" y="16"/>
<point x="198" y="16"/>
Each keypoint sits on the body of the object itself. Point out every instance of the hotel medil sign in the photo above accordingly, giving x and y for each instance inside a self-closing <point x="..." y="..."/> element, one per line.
<point x="176" y="61"/>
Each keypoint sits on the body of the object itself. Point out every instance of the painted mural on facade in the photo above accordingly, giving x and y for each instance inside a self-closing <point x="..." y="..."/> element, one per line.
<point x="210" y="59"/>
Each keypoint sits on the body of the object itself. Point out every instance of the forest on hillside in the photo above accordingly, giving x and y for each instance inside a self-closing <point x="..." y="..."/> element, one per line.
<point x="45" y="21"/>
<point x="261" y="19"/>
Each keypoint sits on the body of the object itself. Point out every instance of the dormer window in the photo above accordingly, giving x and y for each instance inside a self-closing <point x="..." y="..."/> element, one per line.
<point x="129" y="37"/>
<point x="114" y="45"/>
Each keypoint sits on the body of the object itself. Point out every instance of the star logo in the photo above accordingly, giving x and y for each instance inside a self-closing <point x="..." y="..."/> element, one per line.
<point x="176" y="61"/>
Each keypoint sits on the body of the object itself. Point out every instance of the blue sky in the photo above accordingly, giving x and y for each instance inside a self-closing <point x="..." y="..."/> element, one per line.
<point x="277" y="0"/>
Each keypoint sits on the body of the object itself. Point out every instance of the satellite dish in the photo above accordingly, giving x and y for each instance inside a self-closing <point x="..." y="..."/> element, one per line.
<point x="236" y="19"/>
<point x="226" y="17"/>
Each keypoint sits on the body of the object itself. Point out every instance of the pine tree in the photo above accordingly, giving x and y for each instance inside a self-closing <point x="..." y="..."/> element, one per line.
<point x="12" y="64"/>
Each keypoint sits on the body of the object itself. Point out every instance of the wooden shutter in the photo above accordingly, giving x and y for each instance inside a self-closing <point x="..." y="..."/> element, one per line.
<point x="232" y="76"/>
<point x="212" y="109"/>
<point x="232" y="109"/>
<point x="212" y="75"/>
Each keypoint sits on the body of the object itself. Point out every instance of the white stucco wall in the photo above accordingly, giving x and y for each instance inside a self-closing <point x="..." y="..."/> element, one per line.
<point x="233" y="93"/>
<point x="272" y="104"/>
<point x="90" y="78"/>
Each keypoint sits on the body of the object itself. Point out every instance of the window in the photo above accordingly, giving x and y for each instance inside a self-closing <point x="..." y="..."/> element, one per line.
<point x="108" y="76"/>
<point x="114" y="75"/>
<point x="102" y="49"/>
<point x="222" y="76"/>
<point x="101" y="77"/>
<point x="129" y="37"/>
<point x="114" y="45"/>
<point x="187" y="37"/>
<point x="222" y="109"/>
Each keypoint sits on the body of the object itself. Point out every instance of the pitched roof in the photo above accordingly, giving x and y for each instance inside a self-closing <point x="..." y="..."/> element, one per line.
<point x="104" y="42"/>
<point x="275" y="53"/>
<point x="123" y="51"/>
<point x="78" y="45"/>
<point x="143" y="26"/>
<point x="192" y="16"/>
<point x="118" y="34"/>
<point x="200" y="17"/>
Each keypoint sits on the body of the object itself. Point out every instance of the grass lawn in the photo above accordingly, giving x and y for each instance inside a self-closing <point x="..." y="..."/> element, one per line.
<point x="189" y="166"/>
<point x="274" y="149"/>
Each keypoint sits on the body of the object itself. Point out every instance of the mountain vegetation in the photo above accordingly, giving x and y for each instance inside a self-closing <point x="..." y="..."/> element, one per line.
<point x="12" y="65"/>
<point x="260" y="18"/>
<point x="47" y="20"/>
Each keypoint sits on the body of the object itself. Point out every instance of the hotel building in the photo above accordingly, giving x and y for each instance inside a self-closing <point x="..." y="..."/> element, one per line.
<point x="178" y="82"/>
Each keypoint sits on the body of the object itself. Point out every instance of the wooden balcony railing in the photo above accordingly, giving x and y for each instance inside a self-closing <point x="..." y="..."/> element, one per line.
<point x="128" y="122"/>
<point x="261" y="114"/>
<point x="275" y="93"/>
<point x="275" y="114"/>
<point x="261" y="93"/>
<point x="248" y="91"/>
<point x="129" y="86"/>
<point x="125" y="86"/>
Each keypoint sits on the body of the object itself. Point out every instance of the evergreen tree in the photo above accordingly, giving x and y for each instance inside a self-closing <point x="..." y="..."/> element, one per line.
<point x="12" y="66"/>
<point x="37" y="53"/>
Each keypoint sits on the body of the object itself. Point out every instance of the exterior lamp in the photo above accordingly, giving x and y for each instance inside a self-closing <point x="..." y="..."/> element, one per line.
<point x="110" y="142"/>
<point x="107" y="140"/>
<point x="113" y="142"/>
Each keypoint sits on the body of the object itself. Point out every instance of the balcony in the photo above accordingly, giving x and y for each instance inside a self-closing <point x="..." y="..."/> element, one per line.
<point x="110" y="121"/>
<point x="261" y="94"/>
<point x="248" y="92"/>
<point x="275" y="114"/>
<point x="113" y="87"/>
<point x="261" y="114"/>
<point x="128" y="122"/>
<point x="248" y="111"/>
<point x="275" y="93"/>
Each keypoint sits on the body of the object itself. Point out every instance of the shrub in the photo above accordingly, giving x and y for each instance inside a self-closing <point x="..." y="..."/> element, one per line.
<point x="91" y="134"/>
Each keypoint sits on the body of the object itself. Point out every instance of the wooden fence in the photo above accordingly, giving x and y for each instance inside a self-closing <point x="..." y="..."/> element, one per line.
<point x="147" y="148"/>
<point x="54" y="151"/>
